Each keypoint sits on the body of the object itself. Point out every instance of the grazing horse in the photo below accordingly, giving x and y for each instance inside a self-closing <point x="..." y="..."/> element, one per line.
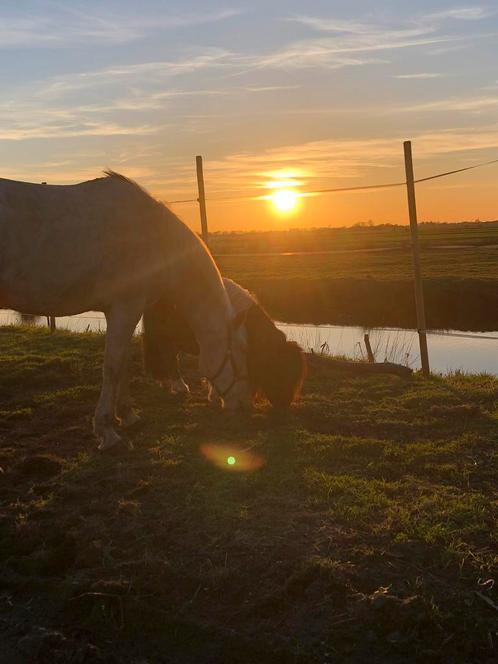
<point x="107" y="245"/>
<point x="276" y="366"/>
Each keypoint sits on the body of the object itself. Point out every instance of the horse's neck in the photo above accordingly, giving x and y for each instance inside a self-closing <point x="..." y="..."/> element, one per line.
<point x="199" y="290"/>
<point x="211" y="316"/>
<point x="211" y="323"/>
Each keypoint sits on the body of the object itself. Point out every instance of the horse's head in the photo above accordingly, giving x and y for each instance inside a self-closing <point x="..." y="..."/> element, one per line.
<point x="277" y="367"/>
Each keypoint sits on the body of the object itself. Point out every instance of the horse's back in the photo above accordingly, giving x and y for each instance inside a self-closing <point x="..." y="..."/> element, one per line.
<point x="74" y="244"/>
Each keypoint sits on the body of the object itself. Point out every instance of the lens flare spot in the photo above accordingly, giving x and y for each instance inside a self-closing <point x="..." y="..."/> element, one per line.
<point x="232" y="458"/>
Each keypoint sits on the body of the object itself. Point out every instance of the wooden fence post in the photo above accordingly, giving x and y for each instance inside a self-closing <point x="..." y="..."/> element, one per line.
<point x="202" y="199"/>
<point x="370" y="355"/>
<point x="419" y="292"/>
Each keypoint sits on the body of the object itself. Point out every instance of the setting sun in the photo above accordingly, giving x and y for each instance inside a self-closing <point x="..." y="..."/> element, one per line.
<point x="285" y="200"/>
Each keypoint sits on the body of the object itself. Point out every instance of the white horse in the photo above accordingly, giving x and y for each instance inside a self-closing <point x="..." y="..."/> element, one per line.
<point x="107" y="245"/>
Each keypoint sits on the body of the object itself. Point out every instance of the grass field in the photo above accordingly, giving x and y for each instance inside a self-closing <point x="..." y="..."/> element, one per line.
<point x="367" y="279"/>
<point x="355" y="237"/>
<point x="370" y="533"/>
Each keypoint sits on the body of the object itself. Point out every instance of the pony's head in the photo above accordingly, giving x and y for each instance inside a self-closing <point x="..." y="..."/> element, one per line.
<point x="276" y="367"/>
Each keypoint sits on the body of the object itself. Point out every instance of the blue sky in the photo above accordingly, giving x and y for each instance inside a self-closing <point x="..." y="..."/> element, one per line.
<point x="319" y="92"/>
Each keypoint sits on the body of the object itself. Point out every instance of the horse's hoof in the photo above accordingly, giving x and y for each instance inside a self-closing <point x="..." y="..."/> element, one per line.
<point x="129" y="419"/>
<point x="109" y="440"/>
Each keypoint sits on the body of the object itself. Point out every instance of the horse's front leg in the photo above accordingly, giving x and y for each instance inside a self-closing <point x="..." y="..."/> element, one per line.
<point x="122" y="320"/>
<point x="126" y="415"/>
<point x="174" y="382"/>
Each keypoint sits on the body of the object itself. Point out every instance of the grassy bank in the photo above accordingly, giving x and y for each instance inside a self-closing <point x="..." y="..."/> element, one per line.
<point x="367" y="279"/>
<point x="368" y="534"/>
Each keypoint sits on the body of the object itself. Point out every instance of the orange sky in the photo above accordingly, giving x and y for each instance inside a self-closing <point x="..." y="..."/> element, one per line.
<point x="319" y="93"/>
<point x="461" y="197"/>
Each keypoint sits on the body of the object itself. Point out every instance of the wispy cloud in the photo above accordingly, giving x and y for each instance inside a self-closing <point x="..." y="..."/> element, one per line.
<point x="308" y="54"/>
<point x="418" y="25"/>
<point x="461" y="14"/>
<point x="444" y="49"/>
<point x="349" y="161"/>
<point x="24" y="131"/>
<point x="420" y="76"/>
<point x="114" y="100"/>
<point x="72" y="27"/>
<point x="338" y="52"/>
<point x="143" y="73"/>
<point x="111" y="101"/>
<point x="352" y="36"/>
<point x="353" y="27"/>
<point x="269" y="88"/>
<point x="465" y="104"/>
<point x="452" y="104"/>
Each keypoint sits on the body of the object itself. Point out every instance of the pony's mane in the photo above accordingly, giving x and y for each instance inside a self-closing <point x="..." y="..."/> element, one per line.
<point x="133" y="184"/>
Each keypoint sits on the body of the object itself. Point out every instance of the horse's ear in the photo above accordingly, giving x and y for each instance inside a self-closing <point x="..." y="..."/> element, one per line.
<point x="239" y="319"/>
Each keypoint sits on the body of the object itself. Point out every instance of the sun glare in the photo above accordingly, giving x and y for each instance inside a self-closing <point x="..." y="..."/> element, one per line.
<point x="285" y="200"/>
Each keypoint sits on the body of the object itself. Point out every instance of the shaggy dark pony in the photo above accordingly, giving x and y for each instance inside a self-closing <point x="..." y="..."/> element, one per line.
<point x="276" y="367"/>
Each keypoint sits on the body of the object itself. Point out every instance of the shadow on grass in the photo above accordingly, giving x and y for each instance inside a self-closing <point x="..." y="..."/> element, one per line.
<point x="364" y="534"/>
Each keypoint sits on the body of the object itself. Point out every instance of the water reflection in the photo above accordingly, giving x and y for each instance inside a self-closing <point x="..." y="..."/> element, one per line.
<point x="472" y="352"/>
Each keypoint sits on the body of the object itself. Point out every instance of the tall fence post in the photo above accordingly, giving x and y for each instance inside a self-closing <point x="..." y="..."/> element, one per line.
<point x="419" y="292"/>
<point x="202" y="199"/>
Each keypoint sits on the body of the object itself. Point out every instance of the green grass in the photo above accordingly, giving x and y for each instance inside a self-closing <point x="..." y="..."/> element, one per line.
<point x="367" y="280"/>
<point x="366" y="536"/>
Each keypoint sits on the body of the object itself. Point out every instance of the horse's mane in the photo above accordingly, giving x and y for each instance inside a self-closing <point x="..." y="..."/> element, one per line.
<point x="110" y="174"/>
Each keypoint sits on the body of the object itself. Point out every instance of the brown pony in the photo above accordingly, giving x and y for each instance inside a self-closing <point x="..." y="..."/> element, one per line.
<point x="276" y="367"/>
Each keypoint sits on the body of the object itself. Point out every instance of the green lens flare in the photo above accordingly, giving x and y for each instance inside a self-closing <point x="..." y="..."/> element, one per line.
<point x="231" y="461"/>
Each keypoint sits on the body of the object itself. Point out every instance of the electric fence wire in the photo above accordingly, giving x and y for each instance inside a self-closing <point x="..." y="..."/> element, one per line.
<point x="366" y="187"/>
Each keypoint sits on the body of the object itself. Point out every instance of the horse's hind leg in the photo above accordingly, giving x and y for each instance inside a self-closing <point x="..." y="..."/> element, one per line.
<point x="121" y="322"/>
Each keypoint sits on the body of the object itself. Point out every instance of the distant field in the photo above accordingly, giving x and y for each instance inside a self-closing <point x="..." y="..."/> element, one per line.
<point x="356" y="237"/>
<point x="367" y="276"/>
<point x="369" y="535"/>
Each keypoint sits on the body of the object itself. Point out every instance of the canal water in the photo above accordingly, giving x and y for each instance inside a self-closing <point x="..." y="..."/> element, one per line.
<point x="449" y="350"/>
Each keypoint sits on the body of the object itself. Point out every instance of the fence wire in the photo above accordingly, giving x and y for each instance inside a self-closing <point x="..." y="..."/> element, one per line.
<point x="336" y="190"/>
